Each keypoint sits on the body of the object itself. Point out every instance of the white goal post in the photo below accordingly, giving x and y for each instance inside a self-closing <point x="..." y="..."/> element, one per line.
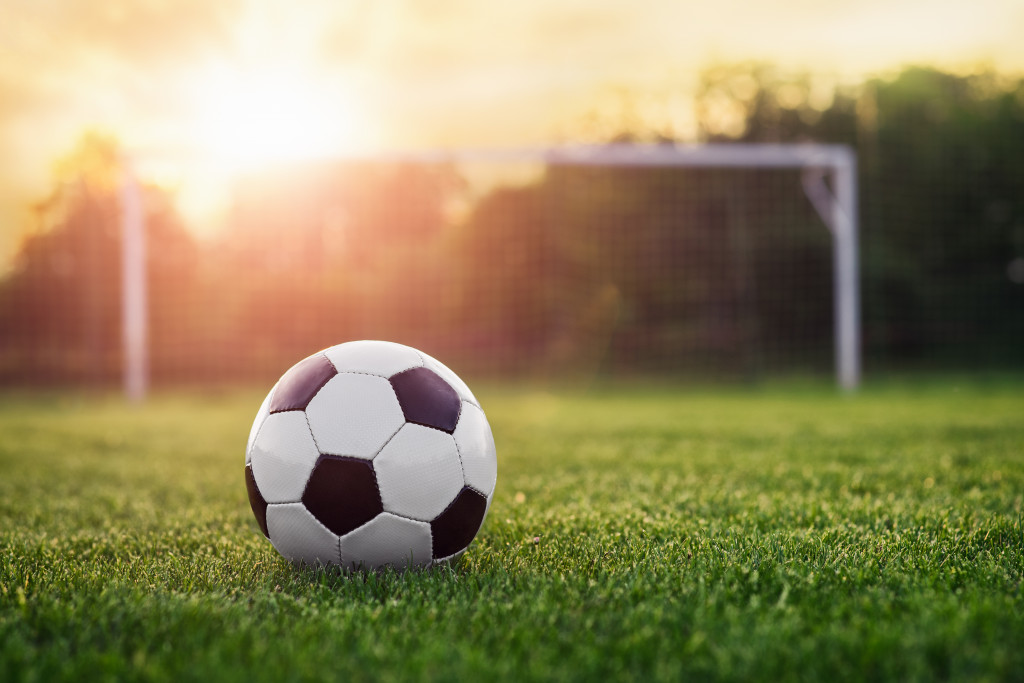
<point x="835" y="202"/>
<point x="134" y="299"/>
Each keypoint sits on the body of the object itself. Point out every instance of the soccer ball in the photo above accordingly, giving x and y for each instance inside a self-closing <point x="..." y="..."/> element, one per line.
<point x="370" y="454"/>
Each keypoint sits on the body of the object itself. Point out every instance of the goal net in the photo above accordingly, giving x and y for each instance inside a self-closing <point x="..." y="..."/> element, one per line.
<point x="734" y="261"/>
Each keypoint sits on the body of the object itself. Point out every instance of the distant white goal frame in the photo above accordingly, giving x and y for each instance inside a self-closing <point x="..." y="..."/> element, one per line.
<point x="836" y="205"/>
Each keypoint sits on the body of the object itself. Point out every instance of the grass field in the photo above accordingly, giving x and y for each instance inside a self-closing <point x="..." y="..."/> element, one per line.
<point x="780" y="533"/>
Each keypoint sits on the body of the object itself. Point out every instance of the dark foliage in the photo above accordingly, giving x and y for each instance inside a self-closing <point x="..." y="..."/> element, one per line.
<point x="577" y="271"/>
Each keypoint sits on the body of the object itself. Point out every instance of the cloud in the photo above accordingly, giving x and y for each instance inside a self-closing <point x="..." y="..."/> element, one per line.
<point x="145" y="33"/>
<point x="432" y="70"/>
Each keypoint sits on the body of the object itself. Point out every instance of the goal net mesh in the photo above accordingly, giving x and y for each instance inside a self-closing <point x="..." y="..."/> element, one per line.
<point x="519" y="268"/>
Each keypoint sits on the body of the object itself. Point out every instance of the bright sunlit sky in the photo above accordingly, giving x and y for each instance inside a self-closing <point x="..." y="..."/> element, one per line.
<point x="228" y="84"/>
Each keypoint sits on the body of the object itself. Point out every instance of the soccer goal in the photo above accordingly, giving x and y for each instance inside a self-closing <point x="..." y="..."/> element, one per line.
<point x="722" y="259"/>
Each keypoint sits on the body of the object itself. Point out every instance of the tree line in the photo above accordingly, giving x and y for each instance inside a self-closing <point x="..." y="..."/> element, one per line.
<point x="573" y="271"/>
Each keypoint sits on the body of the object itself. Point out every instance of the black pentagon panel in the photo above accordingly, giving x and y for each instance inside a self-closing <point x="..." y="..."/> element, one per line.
<point x="426" y="399"/>
<point x="256" y="502"/>
<point x="299" y="385"/>
<point x="342" y="493"/>
<point x="454" y="528"/>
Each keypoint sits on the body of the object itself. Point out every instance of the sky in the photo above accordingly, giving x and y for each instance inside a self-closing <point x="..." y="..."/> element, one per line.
<point x="203" y="89"/>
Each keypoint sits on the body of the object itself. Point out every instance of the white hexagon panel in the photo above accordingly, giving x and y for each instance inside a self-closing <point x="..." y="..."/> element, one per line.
<point x="476" y="448"/>
<point x="261" y="415"/>
<point x="282" y="457"/>
<point x="387" y="540"/>
<point x="299" y="536"/>
<point x="419" y="472"/>
<point x="373" y="357"/>
<point x="354" y="415"/>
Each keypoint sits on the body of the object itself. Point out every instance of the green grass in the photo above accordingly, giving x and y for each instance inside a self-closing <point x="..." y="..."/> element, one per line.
<point x="785" y="533"/>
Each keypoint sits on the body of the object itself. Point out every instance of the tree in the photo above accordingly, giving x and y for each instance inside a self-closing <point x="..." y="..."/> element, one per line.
<point x="942" y="195"/>
<point x="61" y="304"/>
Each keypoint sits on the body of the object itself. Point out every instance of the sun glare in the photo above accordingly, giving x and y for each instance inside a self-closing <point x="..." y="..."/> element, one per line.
<point x="241" y="121"/>
<point x="249" y="120"/>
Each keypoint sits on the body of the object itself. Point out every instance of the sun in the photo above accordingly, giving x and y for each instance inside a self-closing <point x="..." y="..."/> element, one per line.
<point x="249" y="119"/>
<point x="238" y="120"/>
